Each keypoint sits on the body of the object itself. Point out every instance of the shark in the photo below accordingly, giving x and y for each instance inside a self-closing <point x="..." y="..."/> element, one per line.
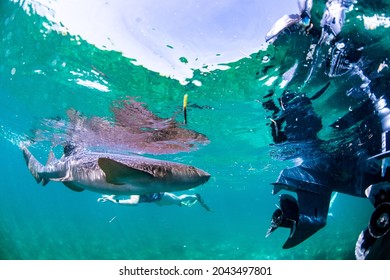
<point x="114" y="173"/>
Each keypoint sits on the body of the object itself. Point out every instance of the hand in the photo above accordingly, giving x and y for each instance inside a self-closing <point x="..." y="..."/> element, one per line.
<point x="188" y="200"/>
<point x="106" y="198"/>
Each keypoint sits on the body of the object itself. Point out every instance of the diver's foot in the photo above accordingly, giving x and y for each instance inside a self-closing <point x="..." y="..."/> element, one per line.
<point x="201" y="201"/>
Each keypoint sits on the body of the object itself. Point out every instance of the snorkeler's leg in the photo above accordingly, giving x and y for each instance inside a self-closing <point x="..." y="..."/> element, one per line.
<point x="201" y="201"/>
<point x="187" y="199"/>
<point x="181" y="200"/>
<point x="168" y="199"/>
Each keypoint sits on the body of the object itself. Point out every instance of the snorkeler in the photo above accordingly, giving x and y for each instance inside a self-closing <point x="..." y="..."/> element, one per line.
<point x="161" y="199"/>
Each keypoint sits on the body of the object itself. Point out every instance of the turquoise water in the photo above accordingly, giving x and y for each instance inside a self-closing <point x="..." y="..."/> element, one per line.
<point x="39" y="72"/>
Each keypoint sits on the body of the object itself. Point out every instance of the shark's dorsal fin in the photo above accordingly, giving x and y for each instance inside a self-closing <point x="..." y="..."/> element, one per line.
<point x="118" y="173"/>
<point x="73" y="187"/>
<point x="51" y="158"/>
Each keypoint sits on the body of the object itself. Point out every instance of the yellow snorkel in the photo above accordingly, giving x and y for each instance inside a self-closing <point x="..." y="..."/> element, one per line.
<point x="185" y="107"/>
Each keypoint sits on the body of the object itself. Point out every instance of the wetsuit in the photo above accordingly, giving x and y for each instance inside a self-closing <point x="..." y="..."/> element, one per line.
<point x="151" y="197"/>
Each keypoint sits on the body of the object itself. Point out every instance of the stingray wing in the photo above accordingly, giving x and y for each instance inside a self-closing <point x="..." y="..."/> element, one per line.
<point x="118" y="173"/>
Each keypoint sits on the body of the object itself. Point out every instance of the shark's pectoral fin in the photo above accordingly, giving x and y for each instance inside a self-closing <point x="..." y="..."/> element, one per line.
<point x="73" y="187"/>
<point x="118" y="173"/>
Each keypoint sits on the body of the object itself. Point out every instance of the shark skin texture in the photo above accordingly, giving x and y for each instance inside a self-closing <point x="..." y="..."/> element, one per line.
<point x="114" y="173"/>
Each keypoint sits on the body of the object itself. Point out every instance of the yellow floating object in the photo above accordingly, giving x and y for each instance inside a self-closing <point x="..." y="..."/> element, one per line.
<point x="185" y="99"/>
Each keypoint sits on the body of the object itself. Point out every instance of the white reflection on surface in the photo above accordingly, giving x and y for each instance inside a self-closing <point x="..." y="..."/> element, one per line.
<point x="160" y="34"/>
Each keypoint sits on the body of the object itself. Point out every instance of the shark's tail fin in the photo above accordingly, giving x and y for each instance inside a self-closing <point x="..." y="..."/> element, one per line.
<point x="33" y="165"/>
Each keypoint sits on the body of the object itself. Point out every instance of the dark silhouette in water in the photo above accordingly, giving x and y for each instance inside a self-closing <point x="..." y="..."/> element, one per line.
<point x="323" y="170"/>
<point x="357" y="161"/>
<point x="350" y="164"/>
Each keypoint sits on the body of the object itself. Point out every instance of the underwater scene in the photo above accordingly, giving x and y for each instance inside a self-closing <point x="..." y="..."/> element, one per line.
<point x="194" y="130"/>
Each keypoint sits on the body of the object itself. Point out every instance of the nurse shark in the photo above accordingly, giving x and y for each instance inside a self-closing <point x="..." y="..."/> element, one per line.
<point x="114" y="173"/>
